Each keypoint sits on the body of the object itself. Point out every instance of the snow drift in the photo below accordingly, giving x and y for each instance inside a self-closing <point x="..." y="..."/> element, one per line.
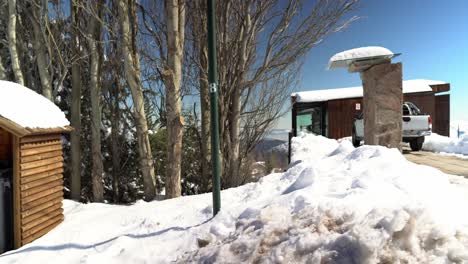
<point x="441" y="144"/>
<point x="335" y="204"/>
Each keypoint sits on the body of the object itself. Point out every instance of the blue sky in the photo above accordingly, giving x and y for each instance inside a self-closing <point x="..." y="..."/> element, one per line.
<point x="432" y="36"/>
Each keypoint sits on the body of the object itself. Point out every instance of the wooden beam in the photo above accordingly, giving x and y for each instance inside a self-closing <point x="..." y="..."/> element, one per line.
<point x="16" y="194"/>
<point x="12" y="127"/>
<point x="54" y="130"/>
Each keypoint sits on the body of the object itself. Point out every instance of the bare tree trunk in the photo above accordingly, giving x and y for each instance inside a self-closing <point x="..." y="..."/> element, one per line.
<point x="205" y="116"/>
<point x="97" y="167"/>
<point x="133" y="80"/>
<point x="75" y="109"/>
<point x="12" y="42"/>
<point x="2" y="70"/>
<point x="115" y="149"/>
<point x="175" y="23"/>
<point x="38" y="10"/>
<point x="234" y="120"/>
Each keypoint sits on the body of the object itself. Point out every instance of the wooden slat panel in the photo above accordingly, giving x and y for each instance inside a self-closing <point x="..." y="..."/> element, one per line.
<point x="40" y="144"/>
<point x="40" y="220"/>
<point x="34" y="177"/>
<point x="34" y="151"/>
<point x="32" y="204"/>
<point x="41" y="226"/>
<point x="43" y="231"/>
<point x="39" y="163"/>
<point x="41" y="188"/>
<point x="37" y="196"/>
<point x="40" y="182"/>
<point x="35" y="209"/>
<point x="41" y="156"/>
<point x="41" y="169"/>
<point x="41" y="213"/>
<point x="39" y="138"/>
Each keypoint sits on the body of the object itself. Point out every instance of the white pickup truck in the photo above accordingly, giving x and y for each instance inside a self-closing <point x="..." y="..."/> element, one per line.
<point x="415" y="127"/>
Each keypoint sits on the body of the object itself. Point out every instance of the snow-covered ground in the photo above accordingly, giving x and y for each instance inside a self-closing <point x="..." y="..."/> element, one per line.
<point x="335" y="204"/>
<point x="455" y="145"/>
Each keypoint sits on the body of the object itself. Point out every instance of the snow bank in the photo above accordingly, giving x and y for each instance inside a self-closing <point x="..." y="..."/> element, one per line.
<point x="409" y="86"/>
<point x="338" y="60"/>
<point x="336" y="204"/>
<point x="438" y="143"/>
<point x="29" y="109"/>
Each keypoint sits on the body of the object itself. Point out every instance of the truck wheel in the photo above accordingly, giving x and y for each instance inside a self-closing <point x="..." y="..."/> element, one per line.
<point x="354" y="139"/>
<point x="417" y="144"/>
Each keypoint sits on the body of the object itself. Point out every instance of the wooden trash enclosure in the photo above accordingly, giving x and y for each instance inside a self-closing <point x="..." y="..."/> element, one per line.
<point x="40" y="184"/>
<point x="31" y="165"/>
<point x="37" y="163"/>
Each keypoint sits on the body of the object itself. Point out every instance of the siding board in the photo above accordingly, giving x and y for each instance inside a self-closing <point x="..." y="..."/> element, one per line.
<point x="40" y="186"/>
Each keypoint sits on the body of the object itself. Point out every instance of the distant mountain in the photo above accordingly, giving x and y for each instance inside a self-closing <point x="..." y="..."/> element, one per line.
<point x="265" y="146"/>
<point x="273" y="152"/>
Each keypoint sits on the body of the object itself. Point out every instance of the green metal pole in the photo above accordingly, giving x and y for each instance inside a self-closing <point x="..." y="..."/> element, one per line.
<point x="213" y="80"/>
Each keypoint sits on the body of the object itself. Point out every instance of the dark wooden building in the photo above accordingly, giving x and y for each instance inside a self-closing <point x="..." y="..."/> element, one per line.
<point x="31" y="160"/>
<point x="331" y="112"/>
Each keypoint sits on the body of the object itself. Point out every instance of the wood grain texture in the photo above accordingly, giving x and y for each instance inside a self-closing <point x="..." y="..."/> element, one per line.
<point x="37" y="176"/>
<point x="41" y="156"/>
<point x="40" y="233"/>
<point x="40" y="144"/>
<point x="36" y="205"/>
<point x="37" y="196"/>
<point x="40" y="138"/>
<point x="40" y="182"/>
<point x="41" y="188"/>
<point x="40" y="163"/>
<point x="41" y="169"/>
<point x="38" y="150"/>
<point x="41" y="219"/>
<point x="43" y="212"/>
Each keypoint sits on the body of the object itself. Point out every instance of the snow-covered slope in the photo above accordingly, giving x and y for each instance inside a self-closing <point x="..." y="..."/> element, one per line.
<point x="29" y="109"/>
<point x="335" y="204"/>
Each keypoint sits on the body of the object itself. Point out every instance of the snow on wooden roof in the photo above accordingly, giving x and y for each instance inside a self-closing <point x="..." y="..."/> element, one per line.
<point x="409" y="86"/>
<point x="23" y="111"/>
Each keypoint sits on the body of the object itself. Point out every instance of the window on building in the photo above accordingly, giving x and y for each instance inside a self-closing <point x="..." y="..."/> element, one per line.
<point x="310" y="121"/>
